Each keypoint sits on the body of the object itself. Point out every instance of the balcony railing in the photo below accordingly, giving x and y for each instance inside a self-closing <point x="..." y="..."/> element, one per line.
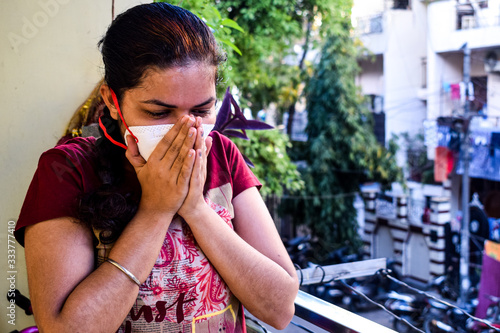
<point x="329" y="316"/>
<point x="465" y="22"/>
<point x="370" y="25"/>
<point x="333" y="318"/>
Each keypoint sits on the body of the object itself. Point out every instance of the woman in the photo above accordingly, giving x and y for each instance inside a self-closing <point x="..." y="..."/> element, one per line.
<point x="175" y="243"/>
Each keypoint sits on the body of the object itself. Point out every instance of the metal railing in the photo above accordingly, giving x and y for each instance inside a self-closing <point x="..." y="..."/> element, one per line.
<point x="370" y="25"/>
<point x="475" y="22"/>
<point x="329" y="316"/>
<point x="333" y="318"/>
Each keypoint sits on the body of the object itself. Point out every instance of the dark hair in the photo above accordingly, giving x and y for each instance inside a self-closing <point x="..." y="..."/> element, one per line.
<point x="154" y="35"/>
<point x="149" y="36"/>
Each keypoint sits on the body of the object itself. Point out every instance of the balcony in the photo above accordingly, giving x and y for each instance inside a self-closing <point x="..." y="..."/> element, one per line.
<point x="370" y="25"/>
<point x="465" y="22"/>
<point x="455" y="23"/>
<point x="323" y="316"/>
<point x="398" y="4"/>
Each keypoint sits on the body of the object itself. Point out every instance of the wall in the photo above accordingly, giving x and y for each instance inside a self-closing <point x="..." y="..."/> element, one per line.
<point x="494" y="97"/>
<point x="49" y="63"/>
<point x="403" y="71"/>
<point x="397" y="73"/>
<point x="363" y="10"/>
<point x="442" y="68"/>
<point x="443" y="23"/>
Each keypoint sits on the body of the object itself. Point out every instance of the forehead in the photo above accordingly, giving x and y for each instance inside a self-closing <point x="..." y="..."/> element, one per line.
<point x="177" y="85"/>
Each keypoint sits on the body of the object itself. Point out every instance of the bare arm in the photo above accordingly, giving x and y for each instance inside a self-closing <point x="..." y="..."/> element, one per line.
<point x="253" y="261"/>
<point x="68" y="295"/>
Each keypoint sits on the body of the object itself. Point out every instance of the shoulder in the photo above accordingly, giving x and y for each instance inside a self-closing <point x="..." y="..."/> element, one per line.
<point x="75" y="149"/>
<point x="79" y="153"/>
<point x="63" y="174"/>
<point x="226" y="164"/>
<point x="223" y="146"/>
<point x="221" y="140"/>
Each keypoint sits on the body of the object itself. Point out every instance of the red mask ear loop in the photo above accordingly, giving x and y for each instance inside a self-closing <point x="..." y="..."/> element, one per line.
<point x="119" y="144"/>
<point x="101" y="125"/>
<point x="115" y="100"/>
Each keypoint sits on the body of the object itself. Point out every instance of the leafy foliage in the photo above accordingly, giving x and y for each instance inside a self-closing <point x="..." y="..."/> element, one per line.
<point x="230" y="122"/>
<point x="267" y="150"/>
<point x="269" y="69"/>
<point x="420" y="168"/>
<point x="342" y="151"/>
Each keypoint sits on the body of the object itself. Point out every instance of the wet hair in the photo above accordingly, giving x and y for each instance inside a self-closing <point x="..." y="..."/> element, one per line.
<point x="145" y="37"/>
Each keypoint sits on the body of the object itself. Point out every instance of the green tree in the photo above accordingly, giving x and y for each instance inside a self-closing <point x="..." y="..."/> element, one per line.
<point x="278" y="35"/>
<point x="342" y="150"/>
<point x="268" y="152"/>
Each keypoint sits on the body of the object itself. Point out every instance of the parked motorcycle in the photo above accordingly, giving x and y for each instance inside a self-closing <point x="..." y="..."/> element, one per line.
<point x="442" y="318"/>
<point x="375" y="287"/>
<point x="411" y="307"/>
<point x="300" y="250"/>
<point x="492" y="315"/>
<point x="445" y="318"/>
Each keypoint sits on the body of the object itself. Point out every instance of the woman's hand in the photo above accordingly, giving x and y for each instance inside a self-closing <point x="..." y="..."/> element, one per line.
<point x="165" y="178"/>
<point x="194" y="199"/>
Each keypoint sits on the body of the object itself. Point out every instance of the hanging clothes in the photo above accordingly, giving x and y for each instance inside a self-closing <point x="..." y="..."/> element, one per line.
<point x="443" y="164"/>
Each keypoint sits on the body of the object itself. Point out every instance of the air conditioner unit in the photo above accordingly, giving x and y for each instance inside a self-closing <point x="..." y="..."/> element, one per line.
<point x="492" y="62"/>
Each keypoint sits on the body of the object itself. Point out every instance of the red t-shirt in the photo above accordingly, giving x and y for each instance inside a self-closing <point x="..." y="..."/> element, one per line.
<point x="184" y="292"/>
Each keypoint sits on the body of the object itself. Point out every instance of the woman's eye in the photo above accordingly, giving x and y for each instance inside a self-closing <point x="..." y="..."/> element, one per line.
<point x="202" y="112"/>
<point x="159" y="114"/>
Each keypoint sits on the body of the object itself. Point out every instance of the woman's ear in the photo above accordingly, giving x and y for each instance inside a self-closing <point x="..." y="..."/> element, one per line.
<point x="108" y="100"/>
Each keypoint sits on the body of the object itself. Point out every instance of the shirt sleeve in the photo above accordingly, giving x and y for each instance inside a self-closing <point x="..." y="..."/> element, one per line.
<point x="242" y="176"/>
<point x="54" y="191"/>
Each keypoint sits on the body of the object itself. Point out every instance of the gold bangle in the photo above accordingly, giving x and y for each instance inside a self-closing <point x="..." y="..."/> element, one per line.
<point x="124" y="270"/>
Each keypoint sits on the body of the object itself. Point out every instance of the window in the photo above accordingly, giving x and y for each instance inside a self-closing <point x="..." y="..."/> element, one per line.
<point x="401" y="4"/>
<point x="375" y="104"/>
<point x="465" y="16"/>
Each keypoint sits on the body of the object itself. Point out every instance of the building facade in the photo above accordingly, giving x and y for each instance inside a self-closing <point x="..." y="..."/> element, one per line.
<point x="414" y="62"/>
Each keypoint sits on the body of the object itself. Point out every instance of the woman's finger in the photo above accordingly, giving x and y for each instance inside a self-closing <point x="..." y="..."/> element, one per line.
<point x="197" y="176"/>
<point x="186" y="171"/>
<point x="133" y="155"/>
<point x="176" y="163"/>
<point x="208" y="145"/>
<point x="173" y="139"/>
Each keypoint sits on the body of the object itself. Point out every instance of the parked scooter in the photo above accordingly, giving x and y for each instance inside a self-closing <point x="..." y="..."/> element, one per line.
<point x="300" y="250"/>
<point x="411" y="307"/>
<point x="492" y="315"/>
<point x="375" y="287"/>
<point x="333" y="291"/>
<point x="444" y="318"/>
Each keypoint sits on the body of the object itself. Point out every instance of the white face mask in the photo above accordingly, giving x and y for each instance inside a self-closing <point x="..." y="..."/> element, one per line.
<point x="150" y="136"/>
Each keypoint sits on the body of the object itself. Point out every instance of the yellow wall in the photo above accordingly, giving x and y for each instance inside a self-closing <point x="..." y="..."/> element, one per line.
<point x="49" y="63"/>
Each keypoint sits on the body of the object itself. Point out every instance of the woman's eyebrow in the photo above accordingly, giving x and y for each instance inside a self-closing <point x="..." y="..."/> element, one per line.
<point x="170" y="106"/>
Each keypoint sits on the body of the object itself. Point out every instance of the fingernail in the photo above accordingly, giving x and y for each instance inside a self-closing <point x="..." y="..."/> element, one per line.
<point x="190" y="153"/>
<point x="199" y="153"/>
<point x="191" y="131"/>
